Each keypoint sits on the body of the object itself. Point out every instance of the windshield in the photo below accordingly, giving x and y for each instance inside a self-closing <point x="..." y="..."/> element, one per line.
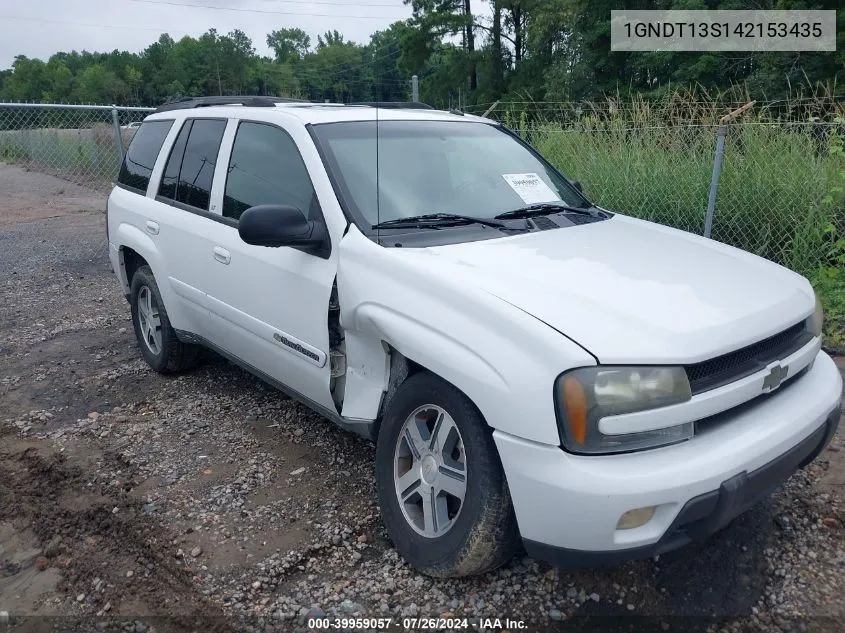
<point x="424" y="167"/>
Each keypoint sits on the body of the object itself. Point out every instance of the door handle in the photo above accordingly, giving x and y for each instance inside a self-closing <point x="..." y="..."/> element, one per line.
<point x="222" y="255"/>
<point x="152" y="227"/>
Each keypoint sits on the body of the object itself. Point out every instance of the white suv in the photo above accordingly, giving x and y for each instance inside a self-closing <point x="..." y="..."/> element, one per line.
<point x="534" y="369"/>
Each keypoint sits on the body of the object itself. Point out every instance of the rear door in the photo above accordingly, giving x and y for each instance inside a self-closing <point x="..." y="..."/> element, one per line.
<point x="182" y="217"/>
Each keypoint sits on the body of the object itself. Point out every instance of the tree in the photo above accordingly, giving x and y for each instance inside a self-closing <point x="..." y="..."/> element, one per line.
<point x="497" y="71"/>
<point x="134" y="80"/>
<point x="330" y="38"/>
<point x="289" y="45"/>
<point x="277" y="80"/>
<point x="98" y="84"/>
<point x="382" y="56"/>
<point x="28" y="80"/>
<point x="61" y="81"/>
<point x="439" y="19"/>
<point x="555" y="50"/>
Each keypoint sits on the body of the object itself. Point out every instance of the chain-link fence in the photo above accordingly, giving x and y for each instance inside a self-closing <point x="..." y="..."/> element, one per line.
<point x="655" y="162"/>
<point x="776" y="187"/>
<point x="82" y="144"/>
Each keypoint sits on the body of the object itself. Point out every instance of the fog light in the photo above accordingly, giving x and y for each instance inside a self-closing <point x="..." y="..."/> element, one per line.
<point x="635" y="518"/>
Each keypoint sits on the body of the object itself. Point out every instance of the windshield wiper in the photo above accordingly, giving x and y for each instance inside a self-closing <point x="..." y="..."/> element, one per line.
<point x="437" y="220"/>
<point x="546" y="208"/>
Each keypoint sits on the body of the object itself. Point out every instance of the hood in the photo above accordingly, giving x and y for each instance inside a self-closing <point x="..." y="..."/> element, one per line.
<point x="630" y="291"/>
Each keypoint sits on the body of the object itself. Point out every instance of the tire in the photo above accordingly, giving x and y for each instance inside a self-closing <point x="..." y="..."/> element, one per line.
<point x="465" y="538"/>
<point x="160" y="347"/>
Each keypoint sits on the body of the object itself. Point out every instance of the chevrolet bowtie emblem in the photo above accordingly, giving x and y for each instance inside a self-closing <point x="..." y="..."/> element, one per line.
<point x="775" y="377"/>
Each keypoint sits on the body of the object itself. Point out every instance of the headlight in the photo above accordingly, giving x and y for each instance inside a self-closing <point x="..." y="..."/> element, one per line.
<point x="584" y="396"/>
<point x="815" y="322"/>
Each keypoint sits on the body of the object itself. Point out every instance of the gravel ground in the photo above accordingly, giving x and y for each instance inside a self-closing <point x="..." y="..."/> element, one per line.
<point x="211" y="502"/>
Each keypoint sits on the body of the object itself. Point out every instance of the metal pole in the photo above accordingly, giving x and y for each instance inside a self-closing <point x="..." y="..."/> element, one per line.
<point x="415" y="88"/>
<point x="490" y="109"/>
<point x="717" y="163"/>
<point x="117" y="134"/>
<point x="714" y="180"/>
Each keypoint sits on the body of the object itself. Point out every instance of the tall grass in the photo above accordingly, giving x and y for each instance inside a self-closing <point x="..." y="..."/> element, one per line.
<point x="647" y="173"/>
<point x="773" y="181"/>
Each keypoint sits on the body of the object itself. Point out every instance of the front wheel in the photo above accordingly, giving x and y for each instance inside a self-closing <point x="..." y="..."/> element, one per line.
<point x="442" y="490"/>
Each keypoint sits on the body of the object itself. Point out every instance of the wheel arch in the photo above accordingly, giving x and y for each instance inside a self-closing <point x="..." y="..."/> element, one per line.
<point x="130" y="261"/>
<point x="377" y="368"/>
<point x="135" y="250"/>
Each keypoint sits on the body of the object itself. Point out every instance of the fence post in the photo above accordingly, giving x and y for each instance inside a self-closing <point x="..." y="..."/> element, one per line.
<point x="117" y="135"/>
<point x="714" y="179"/>
<point x="415" y="88"/>
<point x="717" y="164"/>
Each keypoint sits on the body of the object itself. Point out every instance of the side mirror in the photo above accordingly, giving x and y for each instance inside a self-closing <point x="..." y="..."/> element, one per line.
<point x="280" y="225"/>
<point x="577" y="185"/>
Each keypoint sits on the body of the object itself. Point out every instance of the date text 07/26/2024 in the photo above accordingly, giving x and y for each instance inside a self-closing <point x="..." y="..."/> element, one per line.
<point x="417" y="624"/>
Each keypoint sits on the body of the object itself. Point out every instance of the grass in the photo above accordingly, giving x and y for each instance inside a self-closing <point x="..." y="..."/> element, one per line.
<point x="771" y="179"/>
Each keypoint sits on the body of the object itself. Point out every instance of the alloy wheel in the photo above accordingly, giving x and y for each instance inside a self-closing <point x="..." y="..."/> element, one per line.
<point x="430" y="471"/>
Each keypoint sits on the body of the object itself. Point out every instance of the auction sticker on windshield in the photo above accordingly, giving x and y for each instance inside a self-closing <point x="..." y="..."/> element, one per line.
<point x="531" y="188"/>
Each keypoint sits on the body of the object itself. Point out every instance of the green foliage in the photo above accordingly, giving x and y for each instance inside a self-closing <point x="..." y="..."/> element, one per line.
<point x="289" y="45"/>
<point x="544" y="50"/>
<point x="829" y="283"/>
<point x="213" y="64"/>
<point x="825" y="263"/>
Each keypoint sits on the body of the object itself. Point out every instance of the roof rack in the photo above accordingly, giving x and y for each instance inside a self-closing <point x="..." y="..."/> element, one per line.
<point x="204" y="102"/>
<point x="403" y="105"/>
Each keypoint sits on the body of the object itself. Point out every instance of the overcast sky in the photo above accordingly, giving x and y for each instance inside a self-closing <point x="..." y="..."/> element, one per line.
<point x="39" y="28"/>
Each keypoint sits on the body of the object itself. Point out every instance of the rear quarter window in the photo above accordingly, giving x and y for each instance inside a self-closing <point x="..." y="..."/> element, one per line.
<point x="142" y="154"/>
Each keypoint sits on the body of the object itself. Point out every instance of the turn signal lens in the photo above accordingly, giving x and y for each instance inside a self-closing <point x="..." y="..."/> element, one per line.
<point x="635" y="518"/>
<point x="575" y="401"/>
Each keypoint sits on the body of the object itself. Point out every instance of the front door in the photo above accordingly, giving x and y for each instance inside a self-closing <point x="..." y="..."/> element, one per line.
<point x="269" y="306"/>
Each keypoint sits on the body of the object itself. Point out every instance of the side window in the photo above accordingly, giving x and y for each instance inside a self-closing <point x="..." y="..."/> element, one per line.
<point x="266" y="168"/>
<point x="142" y="154"/>
<point x="170" y="177"/>
<point x="190" y="168"/>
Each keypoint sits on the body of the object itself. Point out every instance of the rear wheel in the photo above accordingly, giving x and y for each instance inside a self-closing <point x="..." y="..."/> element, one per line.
<point x="442" y="491"/>
<point x="160" y="347"/>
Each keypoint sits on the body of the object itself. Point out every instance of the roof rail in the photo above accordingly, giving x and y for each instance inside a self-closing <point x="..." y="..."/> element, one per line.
<point x="403" y="105"/>
<point x="203" y="102"/>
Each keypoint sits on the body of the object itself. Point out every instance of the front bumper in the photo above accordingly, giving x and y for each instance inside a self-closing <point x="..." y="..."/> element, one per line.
<point x="568" y="506"/>
<point x="705" y="514"/>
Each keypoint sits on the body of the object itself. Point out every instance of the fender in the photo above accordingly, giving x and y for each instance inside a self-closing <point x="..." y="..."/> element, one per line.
<point x="503" y="359"/>
<point x="368" y="364"/>
<point x="132" y="237"/>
